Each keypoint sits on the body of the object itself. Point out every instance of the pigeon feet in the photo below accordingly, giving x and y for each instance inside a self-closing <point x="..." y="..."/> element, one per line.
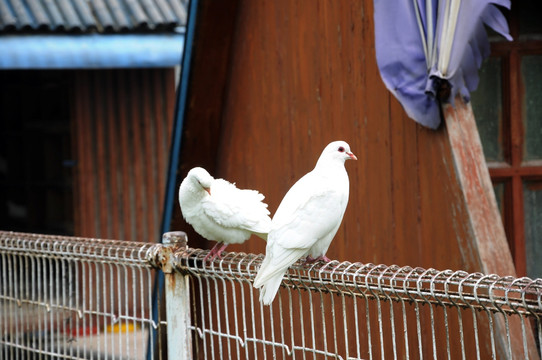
<point x="215" y="252"/>
<point x="310" y="259"/>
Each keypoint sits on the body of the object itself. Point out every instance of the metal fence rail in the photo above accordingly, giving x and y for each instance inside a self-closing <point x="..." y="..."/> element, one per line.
<point x="357" y="311"/>
<point x="75" y="298"/>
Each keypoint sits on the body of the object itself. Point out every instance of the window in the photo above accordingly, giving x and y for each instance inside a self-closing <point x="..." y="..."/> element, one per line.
<point x="508" y="110"/>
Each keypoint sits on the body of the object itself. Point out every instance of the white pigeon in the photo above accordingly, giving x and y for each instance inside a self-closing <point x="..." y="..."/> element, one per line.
<point x="307" y="219"/>
<point x="221" y="212"/>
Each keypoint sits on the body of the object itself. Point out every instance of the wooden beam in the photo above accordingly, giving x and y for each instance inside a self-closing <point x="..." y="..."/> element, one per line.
<point x="215" y="25"/>
<point x="209" y="75"/>
<point x="489" y="238"/>
<point x="473" y="175"/>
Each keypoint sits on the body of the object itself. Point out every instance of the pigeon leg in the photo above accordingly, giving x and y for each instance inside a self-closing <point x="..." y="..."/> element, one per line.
<point x="211" y="253"/>
<point x="219" y="252"/>
<point x="323" y="258"/>
<point x="310" y="259"/>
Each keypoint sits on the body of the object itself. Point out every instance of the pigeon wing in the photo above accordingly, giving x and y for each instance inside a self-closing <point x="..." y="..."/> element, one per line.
<point x="237" y="208"/>
<point x="310" y="210"/>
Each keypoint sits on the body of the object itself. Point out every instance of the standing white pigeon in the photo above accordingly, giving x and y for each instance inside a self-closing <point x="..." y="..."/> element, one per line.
<point x="307" y="219"/>
<point x="221" y="212"/>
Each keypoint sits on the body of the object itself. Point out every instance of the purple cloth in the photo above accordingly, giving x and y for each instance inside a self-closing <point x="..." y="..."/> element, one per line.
<point x="408" y="74"/>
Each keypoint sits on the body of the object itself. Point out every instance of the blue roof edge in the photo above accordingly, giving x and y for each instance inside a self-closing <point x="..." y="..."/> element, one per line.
<point x="91" y="51"/>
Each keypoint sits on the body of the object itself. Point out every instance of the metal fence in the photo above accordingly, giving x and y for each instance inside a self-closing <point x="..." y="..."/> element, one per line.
<point x="353" y="311"/>
<point x="75" y="298"/>
<point x="83" y="298"/>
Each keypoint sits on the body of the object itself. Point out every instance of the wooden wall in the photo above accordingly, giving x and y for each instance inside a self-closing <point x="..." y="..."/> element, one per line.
<point x="121" y="138"/>
<point x="295" y="76"/>
<point x="273" y="82"/>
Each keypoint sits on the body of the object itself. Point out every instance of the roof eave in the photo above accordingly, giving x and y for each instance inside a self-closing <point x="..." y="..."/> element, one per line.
<point x="91" y="51"/>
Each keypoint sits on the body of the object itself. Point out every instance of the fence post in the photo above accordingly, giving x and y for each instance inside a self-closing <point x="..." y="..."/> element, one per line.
<point x="177" y="289"/>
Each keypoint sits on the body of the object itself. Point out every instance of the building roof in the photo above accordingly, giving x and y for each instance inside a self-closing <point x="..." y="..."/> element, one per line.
<point x="91" y="16"/>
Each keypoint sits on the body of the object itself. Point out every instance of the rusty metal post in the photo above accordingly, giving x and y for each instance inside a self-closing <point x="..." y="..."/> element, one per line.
<point x="177" y="289"/>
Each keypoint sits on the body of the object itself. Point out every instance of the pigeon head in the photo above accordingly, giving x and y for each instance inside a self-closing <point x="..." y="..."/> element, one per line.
<point x="202" y="177"/>
<point x="337" y="151"/>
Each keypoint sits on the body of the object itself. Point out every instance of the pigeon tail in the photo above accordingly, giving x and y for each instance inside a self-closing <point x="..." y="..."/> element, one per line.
<point x="269" y="290"/>
<point x="271" y="273"/>
<point x="271" y="268"/>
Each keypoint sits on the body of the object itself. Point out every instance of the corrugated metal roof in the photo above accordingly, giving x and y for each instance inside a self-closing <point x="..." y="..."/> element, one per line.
<point x="88" y="16"/>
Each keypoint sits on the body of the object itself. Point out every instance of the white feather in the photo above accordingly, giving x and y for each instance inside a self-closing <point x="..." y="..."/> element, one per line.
<point x="307" y="218"/>
<point x="227" y="214"/>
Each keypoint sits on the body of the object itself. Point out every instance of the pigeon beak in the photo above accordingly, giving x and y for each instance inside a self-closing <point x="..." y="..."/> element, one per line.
<point x="352" y="156"/>
<point x="208" y="190"/>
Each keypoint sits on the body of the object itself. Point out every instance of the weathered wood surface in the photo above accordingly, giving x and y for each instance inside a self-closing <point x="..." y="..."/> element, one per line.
<point x="489" y="239"/>
<point x="297" y="75"/>
<point x="473" y="175"/>
<point x="122" y="133"/>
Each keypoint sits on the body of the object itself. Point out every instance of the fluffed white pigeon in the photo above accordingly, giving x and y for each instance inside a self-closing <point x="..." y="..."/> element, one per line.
<point x="221" y="212"/>
<point x="307" y="219"/>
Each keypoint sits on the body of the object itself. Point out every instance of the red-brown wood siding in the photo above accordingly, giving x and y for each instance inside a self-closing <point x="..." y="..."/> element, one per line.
<point x="292" y="76"/>
<point x="123" y="121"/>
<point x="302" y="74"/>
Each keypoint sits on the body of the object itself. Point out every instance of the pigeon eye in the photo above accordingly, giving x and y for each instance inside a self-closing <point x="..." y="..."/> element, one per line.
<point x="341" y="149"/>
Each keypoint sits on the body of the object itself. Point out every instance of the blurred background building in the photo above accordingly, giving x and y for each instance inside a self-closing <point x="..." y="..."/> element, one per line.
<point x="87" y="92"/>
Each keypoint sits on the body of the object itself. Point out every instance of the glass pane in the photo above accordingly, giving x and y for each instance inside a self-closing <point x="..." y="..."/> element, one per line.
<point x="529" y="15"/>
<point x="531" y="72"/>
<point x="499" y="194"/>
<point x="487" y="107"/>
<point x="532" y="195"/>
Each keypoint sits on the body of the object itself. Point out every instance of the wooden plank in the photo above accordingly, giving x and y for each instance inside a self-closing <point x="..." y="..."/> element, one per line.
<point x="377" y="149"/>
<point x="100" y="162"/>
<point x="405" y="186"/>
<point x="128" y="212"/>
<point x="516" y="138"/>
<point x="531" y="170"/>
<point x="136" y="141"/>
<point x="478" y="190"/>
<point x="161" y="133"/>
<point x="208" y="78"/>
<point x="83" y="196"/>
<point x="149" y="152"/>
<point x="112" y="144"/>
<point x="489" y="238"/>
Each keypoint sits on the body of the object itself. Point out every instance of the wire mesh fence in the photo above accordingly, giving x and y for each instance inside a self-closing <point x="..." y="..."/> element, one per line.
<point x="75" y="298"/>
<point x="358" y="311"/>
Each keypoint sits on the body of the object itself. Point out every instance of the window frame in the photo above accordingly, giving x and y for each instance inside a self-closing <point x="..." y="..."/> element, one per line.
<point x="514" y="171"/>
